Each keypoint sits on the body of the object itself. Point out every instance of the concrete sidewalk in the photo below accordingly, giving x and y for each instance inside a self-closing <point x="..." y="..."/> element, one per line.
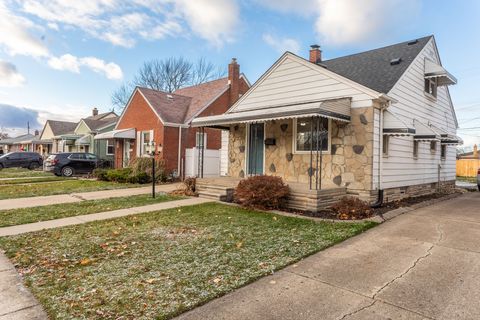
<point x="424" y="264"/>
<point x="16" y="301"/>
<point x="30" y="202"/>
<point x="50" y="224"/>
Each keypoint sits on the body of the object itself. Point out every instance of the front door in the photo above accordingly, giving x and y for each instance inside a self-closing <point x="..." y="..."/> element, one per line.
<point x="256" y="135"/>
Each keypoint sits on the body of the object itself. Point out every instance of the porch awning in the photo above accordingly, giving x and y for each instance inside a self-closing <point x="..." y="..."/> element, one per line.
<point x="85" y="140"/>
<point x="424" y="132"/>
<point x="433" y="70"/>
<point x="394" y="126"/>
<point x="117" y="134"/>
<point x="447" y="138"/>
<point x="337" y="109"/>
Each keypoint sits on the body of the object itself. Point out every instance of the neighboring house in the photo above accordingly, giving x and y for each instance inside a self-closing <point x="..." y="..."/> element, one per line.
<point x="158" y="121"/>
<point x="88" y="128"/>
<point x="54" y="136"/>
<point x="65" y="136"/>
<point x="23" y="142"/>
<point x="470" y="155"/>
<point x="468" y="163"/>
<point x="376" y="123"/>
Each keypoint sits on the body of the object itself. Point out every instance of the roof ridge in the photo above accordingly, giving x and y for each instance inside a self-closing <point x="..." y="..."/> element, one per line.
<point x="203" y="83"/>
<point x="379" y="48"/>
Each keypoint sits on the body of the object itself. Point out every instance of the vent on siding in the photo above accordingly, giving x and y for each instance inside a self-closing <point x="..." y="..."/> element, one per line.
<point x="395" y="61"/>
<point x="413" y="42"/>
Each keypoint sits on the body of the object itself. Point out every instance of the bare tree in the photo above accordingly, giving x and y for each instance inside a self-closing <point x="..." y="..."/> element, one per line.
<point x="167" y="75"/>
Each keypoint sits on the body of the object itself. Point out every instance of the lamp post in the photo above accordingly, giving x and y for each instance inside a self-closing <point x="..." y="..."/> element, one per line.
<point x="153" y="153"/>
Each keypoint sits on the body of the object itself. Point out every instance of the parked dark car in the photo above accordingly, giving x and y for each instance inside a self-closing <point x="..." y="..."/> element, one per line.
<point x="70" y="163"/>
<point x="478" y="179"/>
<point x="30" y="160"/>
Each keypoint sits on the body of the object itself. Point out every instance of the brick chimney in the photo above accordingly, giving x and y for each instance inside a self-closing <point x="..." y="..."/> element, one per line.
<point x="234" y="80"/>
<point x="36" y="133"/>
<point x="475" y="151"/>
<point x="94" y="112"/>
<point x="315" y="54"/>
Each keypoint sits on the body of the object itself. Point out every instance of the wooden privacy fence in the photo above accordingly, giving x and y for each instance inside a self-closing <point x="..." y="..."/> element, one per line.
<point x="468" y="167"/>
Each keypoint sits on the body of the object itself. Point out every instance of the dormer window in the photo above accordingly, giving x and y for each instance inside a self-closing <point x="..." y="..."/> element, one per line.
<point x="431" y="86"/>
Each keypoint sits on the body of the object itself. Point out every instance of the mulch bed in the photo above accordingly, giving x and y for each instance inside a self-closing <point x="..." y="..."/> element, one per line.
<point x="407" y="202"/>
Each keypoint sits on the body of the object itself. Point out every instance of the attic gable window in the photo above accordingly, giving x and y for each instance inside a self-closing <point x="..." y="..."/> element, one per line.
<point x="431" y="86"/>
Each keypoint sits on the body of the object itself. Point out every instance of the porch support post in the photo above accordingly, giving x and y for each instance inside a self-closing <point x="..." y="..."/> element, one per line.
<point x="310" y="175"/>
<point x="317" y="147"/>
<point x="203" y="150"/>
<point x="321" y="150"/>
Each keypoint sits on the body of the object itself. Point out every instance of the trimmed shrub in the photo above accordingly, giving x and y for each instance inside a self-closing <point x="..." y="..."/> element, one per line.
<point x="143" y="166"/>
<point x="123" y="175"/>
<point x="100" y="174"/>
<point x="262" y="192"/>
<point x="352" y="208"/>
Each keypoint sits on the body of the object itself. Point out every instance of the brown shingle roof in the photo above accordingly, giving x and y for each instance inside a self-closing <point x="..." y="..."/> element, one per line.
<point x="202" y="94"/>
<point x="62" y="127"/>
<point x="180" y="106"/>
<point x="95" y="124"/>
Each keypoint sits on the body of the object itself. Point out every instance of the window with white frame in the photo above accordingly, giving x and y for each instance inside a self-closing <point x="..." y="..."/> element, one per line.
<point x="307" y="138"/>
<point x="146" y="137"/>
<point x="431" y="86"/>
<point x="415" y="149"/>
<point x="443" y="153"/>
<point x="201" y="140"/>
<point x="110" y="147"/>
<point x="385" y="144"/>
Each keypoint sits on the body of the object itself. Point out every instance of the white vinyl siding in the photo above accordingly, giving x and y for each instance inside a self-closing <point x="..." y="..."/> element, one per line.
<point x="292" y="81"/>
<point x="401" y="168"/>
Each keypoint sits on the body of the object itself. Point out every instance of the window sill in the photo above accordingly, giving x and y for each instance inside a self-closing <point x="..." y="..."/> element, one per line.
<point x="430" y="97"/>
<point x="313" y="152"/>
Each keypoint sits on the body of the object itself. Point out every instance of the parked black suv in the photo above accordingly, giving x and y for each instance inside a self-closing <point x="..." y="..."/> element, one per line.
<point x="30" y="160"/>
<point x="70" y="163"/>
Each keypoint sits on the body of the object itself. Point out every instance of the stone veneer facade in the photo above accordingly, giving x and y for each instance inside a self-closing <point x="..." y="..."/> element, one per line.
<point x="348" y="164"/>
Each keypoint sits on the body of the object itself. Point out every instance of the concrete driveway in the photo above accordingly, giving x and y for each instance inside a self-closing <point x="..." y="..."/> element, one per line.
<point x="422" y="265"/>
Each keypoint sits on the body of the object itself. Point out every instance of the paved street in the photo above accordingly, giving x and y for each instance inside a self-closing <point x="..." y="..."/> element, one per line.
<point x="421" y="265"/>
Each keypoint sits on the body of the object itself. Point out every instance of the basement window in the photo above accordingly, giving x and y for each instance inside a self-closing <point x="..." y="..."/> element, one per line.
<point x="431" y="86"/>
<point x="305" y="136"/>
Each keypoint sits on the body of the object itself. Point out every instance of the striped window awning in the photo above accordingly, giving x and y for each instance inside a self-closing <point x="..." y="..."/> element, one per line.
<point x="336" y="109"/>
<point x="394" y="126"/>
<point x="433" y="70"/>
<point x="424" y="132"/>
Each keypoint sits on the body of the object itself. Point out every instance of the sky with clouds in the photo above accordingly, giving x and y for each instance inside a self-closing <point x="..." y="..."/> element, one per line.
<point x="61" y="58"/>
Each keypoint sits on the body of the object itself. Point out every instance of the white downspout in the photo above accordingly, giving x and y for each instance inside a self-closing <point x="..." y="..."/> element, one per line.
<point x="179" y="150"/>
<point x="380" y="151"/>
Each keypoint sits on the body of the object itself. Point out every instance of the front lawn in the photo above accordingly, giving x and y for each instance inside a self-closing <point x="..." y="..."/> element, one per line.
<point x="70" y="186"/>
<point x="160" y="264"/>
<point x="28" y="215"/>
<point x="26" y="180"/>
<point x="21" y="172"/>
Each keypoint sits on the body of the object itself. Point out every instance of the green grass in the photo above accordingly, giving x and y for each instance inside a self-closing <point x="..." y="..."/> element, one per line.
<point x="160" y="264"/>
<point x="28" y="215"/>
<point x="21" y="173"/>
<point x="39" y="179"/>
<point x="44" y="189"/>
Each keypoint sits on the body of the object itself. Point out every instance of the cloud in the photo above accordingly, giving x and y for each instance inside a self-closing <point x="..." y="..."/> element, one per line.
<point x="16" y="117"/>
<point x="121" y="22"/>
<point x="281" y="44"/>
<point x="72" y="63"/>
<point x="15" y="35"/>
<point x="213" y="20"/>
<point x="9" y="75"/>
<point x="347" y="22"/>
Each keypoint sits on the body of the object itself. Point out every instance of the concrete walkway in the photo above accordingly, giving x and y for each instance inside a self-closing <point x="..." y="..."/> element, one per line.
<point x="50" y="224"/>
<point x="80" y="196"/>
<point x="424" y="264"/>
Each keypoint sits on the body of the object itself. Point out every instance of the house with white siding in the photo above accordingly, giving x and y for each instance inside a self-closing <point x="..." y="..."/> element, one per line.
<point x="378" y="124"/>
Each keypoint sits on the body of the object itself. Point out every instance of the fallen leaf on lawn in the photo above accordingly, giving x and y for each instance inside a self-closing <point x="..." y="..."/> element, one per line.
<point x="85" y="262"/>
<point x="273" y="281"/>
<point x="150" y="281"/>
<point x="217" y="280"/>
<point x="116" y="233"/>
<point x="239" y="244"/>
<point x="275" y="218"/>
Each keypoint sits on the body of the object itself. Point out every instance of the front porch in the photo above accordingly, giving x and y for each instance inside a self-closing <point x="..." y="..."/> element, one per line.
<point x="301" y="196"/>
